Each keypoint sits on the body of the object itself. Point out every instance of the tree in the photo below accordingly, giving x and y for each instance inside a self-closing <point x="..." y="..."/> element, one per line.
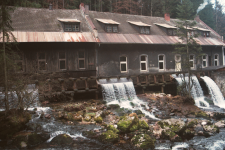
<point x="188" y="45"/>
<point x="185" y="10"/>
<point x="206" y="15"/>
<point x="7" y="36"/>
<point x="219" y="17"/>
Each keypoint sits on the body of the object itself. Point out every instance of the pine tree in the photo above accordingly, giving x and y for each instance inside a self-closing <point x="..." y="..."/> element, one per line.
<point x="188" y="45"/>
<point x="7" y="36"/>
<point x="206" y="15"/>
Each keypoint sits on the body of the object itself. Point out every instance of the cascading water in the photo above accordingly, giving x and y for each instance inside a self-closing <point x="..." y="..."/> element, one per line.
<point x="215" y="92"/>
<point x="196" y="90"/>
<point x="123" y="94"/>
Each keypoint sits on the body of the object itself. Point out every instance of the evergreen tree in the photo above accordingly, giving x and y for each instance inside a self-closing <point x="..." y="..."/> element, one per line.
<point x="188" y="45"/>
<point x="207" y="15"/>
<point x="185" y="10"/>
<point x="7" y="36"/>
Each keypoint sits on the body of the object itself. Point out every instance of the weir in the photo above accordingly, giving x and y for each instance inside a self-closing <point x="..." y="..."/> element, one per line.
<point x="215" y="92"/>
<point x="196" y="90"/>
<point x="124" y="95"/>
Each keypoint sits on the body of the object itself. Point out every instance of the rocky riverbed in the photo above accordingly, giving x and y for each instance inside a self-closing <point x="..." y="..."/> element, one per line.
<point x="93" y="124"/>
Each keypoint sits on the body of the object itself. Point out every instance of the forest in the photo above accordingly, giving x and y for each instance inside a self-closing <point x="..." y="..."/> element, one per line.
<point x="212" y="15"/>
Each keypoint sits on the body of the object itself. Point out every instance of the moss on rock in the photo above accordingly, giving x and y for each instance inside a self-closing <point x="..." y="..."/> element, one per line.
<point x="112" y="128"/>
<point x="98" y="119"/>
<point x="109" y="137"/>
<point x="143" y="141"/>
<point x="143" y="124"/>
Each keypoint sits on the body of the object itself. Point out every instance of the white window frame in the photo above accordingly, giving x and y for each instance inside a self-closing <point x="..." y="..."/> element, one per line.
<point x="123" y="62"/>
<point x="206" y="61"/>
<point x="62" y="59"/>
<point x="144" y="62"/>
<point x="192" y="60"/>
<point x="163" y="61"/>
<point x="177" y="61"/>
<point x="216" y="60"/>
<point x="81" y="59"/>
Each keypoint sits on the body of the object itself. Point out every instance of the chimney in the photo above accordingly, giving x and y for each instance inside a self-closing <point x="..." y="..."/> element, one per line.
<point x="81" y="5"/>
<point x="86" y="10"/>
<point x="50" y="6"/>
<point x="167" y="17"/>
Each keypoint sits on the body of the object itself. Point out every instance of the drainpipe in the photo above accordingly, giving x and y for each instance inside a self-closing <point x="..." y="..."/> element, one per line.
<point x="223" y="55"/>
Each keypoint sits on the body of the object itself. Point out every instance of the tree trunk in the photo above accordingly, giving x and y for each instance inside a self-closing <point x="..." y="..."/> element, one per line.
<point x="4" y="59"/>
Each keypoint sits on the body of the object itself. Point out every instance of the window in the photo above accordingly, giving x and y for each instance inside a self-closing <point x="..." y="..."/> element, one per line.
<point x="161" y="62"/>
<point x="145" y="30"/>
<point x="111" y="28"/>
<point x="115" y="29"/>
<point x="204" y="61"/>
<point x="81" y="59"/>
<point x="41" y="61"/>
<point x="192" y="61"/>
<point x="177" y="62"/>
<point x="123" y="64"/>
<point x="216" y="60"/>
<point x="72" y="27"/>
<point x="143" y="63"/>
<point x="62" y="60"/>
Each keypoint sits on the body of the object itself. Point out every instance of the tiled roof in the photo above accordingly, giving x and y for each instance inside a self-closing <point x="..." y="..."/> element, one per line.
<point x="44" y="20"/>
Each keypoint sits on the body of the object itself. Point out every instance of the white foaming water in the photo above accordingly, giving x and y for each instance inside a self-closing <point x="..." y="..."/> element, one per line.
<point x="183" y="145"/>
<point x="54" y="134"/>
<point x="108" y="92"/>
<point x="123" y="94"/>
<point x="196" y="90"/>
<point x="215" y="92"/>
<point x="218" y="145"/>
<point x="120" y="91"/>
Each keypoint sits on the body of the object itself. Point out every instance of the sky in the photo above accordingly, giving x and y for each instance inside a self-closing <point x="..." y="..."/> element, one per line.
<point x="213" y="2"/>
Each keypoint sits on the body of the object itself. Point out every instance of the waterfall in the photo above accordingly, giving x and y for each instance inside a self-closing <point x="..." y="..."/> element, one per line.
<point x="215" y="92"/>
<point x="196" y="90"/>
<point x="123" y="93"/>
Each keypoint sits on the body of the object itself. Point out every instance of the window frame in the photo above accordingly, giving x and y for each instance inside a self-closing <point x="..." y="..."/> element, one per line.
<point x="145" y="62"/>
<point x="81" y="59"/>
<point x="62" y="59"/>
<point x="206" y="61"/>
<point x="113" y="27"/>
<point x="75" y="27"/>
<point x="163" y="61"/>
<point x="41" y="60"/>
<point x="123" y="62"/>
<point x="216" y="60"/>
<point x="193" y="68"/>
<point x="144" y="29"/>
<point x="177" y="61"/>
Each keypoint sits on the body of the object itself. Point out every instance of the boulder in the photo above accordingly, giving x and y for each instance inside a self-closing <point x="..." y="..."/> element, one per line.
<point x="62" y="139"/>
<point x="143" y="141"/>
<point x="220" y="124"/>
<point x="109" y="137"/>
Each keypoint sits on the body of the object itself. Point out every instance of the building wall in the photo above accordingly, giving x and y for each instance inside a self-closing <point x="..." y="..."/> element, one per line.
<point x="109" y="58"/>
<point x="211" y="51"/>
<point x="51" y="50"/>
